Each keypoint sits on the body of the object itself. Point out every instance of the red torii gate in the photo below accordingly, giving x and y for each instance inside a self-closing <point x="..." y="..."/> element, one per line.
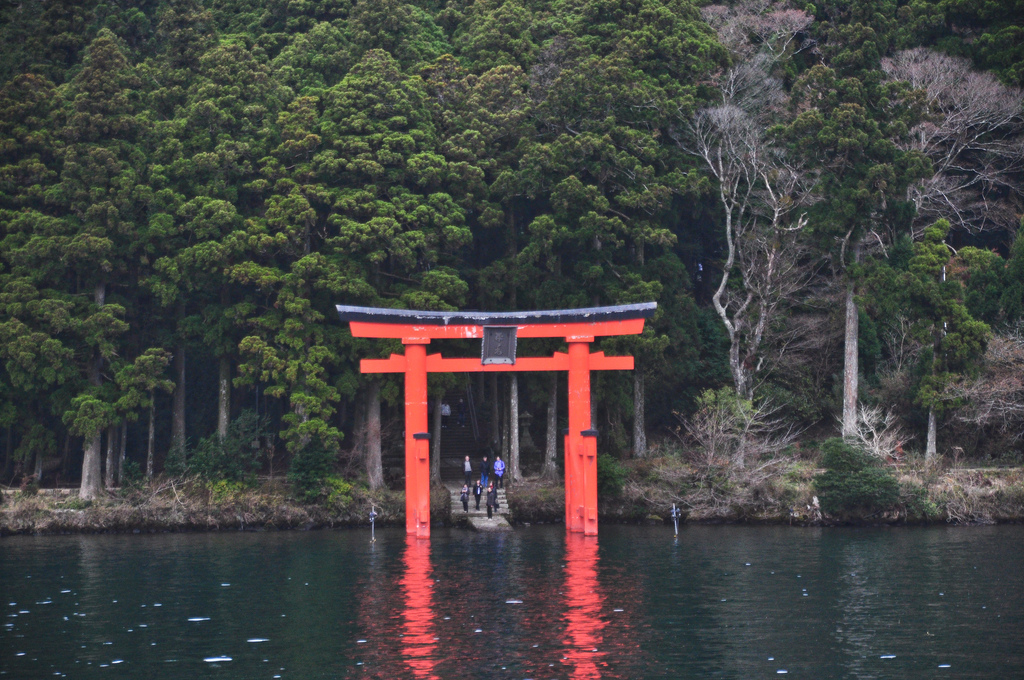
<point x="499" y="331"/>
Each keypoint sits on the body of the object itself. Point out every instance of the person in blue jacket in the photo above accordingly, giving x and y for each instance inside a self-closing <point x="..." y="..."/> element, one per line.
<point x="499" y="472"/>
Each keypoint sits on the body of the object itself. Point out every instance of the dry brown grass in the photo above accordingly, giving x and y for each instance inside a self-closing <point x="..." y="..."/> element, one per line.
<point x="191" y="506"/>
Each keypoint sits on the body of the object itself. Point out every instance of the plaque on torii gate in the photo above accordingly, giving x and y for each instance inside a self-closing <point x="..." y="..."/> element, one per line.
<point x="499" y="332"/>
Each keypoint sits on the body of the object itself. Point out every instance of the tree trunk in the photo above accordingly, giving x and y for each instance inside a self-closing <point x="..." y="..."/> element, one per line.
<point x="374" y="468"/>
<point x="111" y="464"/>
<point x="435" y="444"/>
<point x="550" y="471"/>
<point x="930" y="445"/>
<point x="178" y="406"/>
<point x="514" y="474"/>
<point x="224" y="397"/>
<point x="513" y="251"/>
<point x="92" y="480"/>
<point x="478" y="403"/>
<point x="151" y="439"/>
<point x="639" y="427"/>
<point x="92" y="483"/>
<point x="8" y="442"/>
<point x="495" y="421"/>
<point x="37" y="471"/>
<point x="65" y="455"/>
<point x="123" y="446"/>
<point x="504" y="451"/>
<point x="359" y="426"/>
<point x="850" y="358"/>
<point x="740" y="375"/>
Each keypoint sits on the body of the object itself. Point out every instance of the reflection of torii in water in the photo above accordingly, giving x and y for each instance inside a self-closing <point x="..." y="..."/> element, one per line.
<point x="499" y="330"/>
<point x="418" y="627"/>
<point x="418" y="643"/>
<point x="583" y="602"/>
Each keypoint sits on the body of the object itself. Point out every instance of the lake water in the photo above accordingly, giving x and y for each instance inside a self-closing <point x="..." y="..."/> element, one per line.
<point x="720" y="601"/>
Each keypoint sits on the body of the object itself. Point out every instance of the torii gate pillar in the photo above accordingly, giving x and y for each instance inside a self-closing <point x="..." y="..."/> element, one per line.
<point x="417" y="440"/>
<point x="580" y="445"/>
<point x="578" y="327"/>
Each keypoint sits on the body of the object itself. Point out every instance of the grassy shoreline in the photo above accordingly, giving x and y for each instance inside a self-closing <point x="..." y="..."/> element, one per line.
<point x="784" y="493"/>
<point x="191" y="505"/>
<point x="776" y="494"/>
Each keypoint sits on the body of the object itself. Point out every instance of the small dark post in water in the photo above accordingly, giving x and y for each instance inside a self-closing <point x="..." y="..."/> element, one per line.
<point x="373" y="516"/>
<point x="675" y="517"/>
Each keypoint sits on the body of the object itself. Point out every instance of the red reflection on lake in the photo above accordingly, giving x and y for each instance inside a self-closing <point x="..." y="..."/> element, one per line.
<point x="583" y="602"/>
<point x="465" y="604"/>
<point x="418" y="644"/>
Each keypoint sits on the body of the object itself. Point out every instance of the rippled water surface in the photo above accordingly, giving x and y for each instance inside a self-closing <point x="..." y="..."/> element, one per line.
<point x="734" y="602"/>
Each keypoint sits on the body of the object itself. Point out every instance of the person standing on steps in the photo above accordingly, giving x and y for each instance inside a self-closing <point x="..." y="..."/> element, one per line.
<point x="467" y="467"/>
<point x="460" y="412"/>
<point x="446" y="412"/>
<point x="499" y="472"/>
<point x="492" y="500"/>
<point x="485" y="471"/>
<point x="478" y="491"/>
<point x="464" y="497"/>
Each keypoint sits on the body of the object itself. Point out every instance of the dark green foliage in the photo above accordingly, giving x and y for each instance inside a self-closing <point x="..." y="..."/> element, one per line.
<point x="176" y="463"/>
<point x="1012" y="298"/>
<point x="236" y="457"/>
<point x="916" y="504"/>
<point x="610" y="475"/>
<point x="133" y="478"/>
<point x="853" y="482"/>
<point x="309" y="470"/>
<point x="838" y="456"/>
<point x="210" y="177"/>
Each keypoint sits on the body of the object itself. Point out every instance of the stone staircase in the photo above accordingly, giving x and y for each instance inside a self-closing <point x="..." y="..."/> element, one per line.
<point x="477" y="519"/>
<point x="457" y="443"/>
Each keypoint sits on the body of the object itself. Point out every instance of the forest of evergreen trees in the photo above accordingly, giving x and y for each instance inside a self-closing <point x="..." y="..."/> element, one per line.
<point x="824" y="200"/>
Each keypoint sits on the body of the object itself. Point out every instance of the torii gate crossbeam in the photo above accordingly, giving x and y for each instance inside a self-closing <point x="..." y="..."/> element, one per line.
<point x="579" y="328"/>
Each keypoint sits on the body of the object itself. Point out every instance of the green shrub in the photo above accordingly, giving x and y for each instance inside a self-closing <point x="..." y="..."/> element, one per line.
<point x="839" y="456"/>
<point x="853" y="482"/>
<point x="338" y="492"/>
<point x="914" y="498"/>
<point x="610" y="475"/>
<point x="309" y="470"/>
<point x="225" y="491"/>
<point x="132" y="478"/>
<point x="235" y="457"/>
<point x="175" y="463"/>
<point x="72" y="502"/>
<point x="29" y="486"/>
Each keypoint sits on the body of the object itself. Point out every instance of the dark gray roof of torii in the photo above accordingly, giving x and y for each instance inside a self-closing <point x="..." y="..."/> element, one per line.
<point x="643" y="310"/>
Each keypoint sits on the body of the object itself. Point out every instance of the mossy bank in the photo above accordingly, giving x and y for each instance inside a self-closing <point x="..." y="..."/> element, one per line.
<point x="782" y="494"/>
<point x="792" y="492"/>
<point x="195" y="506"/>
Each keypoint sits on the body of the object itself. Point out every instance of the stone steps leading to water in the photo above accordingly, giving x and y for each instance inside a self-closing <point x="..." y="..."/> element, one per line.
<point x="473" y="513"/>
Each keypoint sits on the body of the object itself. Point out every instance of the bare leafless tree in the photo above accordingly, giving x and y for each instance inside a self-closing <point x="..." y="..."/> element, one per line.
<point x="880" y="433"/>
<point x="995" y="398"/>
<point x="777" y="29"/>
<point x="974" y="137"/>
<point x="730" y="430"/>
<point x="760" y="189"/>
<point x="760" y="192"/>
<point x="901" y="346"/>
